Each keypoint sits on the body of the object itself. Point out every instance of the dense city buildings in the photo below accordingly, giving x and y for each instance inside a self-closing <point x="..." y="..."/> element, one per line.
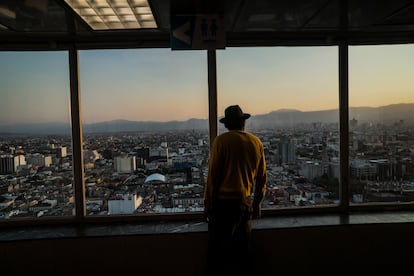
<point x="165" y="172"/>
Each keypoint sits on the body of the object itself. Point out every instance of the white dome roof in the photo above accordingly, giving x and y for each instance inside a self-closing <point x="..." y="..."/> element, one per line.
<point x="155" y="177"/>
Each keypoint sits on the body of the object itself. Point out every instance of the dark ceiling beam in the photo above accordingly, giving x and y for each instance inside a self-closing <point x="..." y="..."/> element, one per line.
<point x="316" y="13"/>
<point x="162" y="39"/>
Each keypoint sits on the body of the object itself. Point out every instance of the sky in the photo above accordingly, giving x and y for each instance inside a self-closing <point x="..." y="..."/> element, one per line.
<point x="163" y="85"/>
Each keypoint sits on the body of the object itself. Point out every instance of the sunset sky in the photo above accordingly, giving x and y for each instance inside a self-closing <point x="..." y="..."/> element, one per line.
<point x="162" y="85"/>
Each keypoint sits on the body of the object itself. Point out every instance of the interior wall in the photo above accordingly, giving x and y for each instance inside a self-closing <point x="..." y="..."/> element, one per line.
<point x="310" y="250"/>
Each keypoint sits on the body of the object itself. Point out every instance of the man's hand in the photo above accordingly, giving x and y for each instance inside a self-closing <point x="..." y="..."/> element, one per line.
<point x="205" y="215"/>
<point x="257" y="212"/>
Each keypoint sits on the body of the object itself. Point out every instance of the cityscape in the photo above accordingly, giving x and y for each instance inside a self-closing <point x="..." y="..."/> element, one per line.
<point x="157" y="172"/>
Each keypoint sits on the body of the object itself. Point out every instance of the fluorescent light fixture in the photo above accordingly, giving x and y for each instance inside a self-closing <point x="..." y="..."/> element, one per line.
<point x="114" y="14"/>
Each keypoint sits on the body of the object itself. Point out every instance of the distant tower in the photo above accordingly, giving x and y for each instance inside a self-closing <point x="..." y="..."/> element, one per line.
<point x="287" y="152"/>
<point x="353" y="123"/>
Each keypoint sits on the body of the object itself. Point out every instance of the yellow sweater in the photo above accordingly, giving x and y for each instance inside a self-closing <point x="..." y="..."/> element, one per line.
<point x="236" y="164"/>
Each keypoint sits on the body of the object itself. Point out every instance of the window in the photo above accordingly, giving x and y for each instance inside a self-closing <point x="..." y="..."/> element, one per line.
<point x="292" y="95"/>
<point x="36" y="178"/>
<point x="145" y="130"/>
<point x="381" y="104"/>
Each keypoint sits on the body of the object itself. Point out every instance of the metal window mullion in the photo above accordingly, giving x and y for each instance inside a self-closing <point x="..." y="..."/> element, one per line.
<point x="77" y="155"/>
<point x="343" y="125"/>
<point x="212" y="94"/>
<point x="343" y="61"/>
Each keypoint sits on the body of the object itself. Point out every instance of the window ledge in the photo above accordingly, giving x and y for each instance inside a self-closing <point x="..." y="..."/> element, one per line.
<point x="266" y="223"/>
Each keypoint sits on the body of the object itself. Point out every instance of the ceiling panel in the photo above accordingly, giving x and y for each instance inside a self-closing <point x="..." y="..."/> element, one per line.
<point x="247" y="22"/>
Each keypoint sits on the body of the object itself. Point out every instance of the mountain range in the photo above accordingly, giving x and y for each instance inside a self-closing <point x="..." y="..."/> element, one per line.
<point x="388" y="114"/>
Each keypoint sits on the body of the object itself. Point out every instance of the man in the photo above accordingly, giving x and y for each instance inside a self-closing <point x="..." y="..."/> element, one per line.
<point x="236" y="185"/>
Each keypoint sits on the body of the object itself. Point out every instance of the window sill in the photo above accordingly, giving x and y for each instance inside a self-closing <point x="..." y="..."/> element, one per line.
<point x="266" y="223"/>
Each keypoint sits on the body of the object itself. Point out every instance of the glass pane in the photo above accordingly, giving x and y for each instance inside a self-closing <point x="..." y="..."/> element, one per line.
<point x="381" y="108"/>
<point x="36" y="178"/>
<point x="145" y="130"/>
<point x="292" y="95"/>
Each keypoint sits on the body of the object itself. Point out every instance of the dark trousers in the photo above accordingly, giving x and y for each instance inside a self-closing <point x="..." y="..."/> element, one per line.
<point x="229" y="237"/>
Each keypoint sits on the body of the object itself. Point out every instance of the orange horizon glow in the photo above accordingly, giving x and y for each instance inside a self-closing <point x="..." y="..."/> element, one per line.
<point x="165" y="85"/>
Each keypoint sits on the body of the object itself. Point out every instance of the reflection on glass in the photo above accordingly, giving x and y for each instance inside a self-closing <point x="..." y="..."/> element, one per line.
<point x="292" y="94"/>
<point x="381" y="108"/>
<point x="36" y="178"/>
<point x="145" y="130"/>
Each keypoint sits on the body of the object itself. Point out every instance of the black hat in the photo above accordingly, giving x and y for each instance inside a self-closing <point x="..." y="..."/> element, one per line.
<point x="234" y="113"/>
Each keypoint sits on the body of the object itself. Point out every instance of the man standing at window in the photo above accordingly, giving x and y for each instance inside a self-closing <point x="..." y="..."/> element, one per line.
<point x="236" y="185"/>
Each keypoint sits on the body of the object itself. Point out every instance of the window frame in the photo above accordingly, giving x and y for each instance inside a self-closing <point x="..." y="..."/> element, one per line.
<point x="79" y="189"/>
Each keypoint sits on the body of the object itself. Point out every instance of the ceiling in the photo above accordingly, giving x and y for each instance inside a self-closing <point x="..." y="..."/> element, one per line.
<point x="45" y="24"/>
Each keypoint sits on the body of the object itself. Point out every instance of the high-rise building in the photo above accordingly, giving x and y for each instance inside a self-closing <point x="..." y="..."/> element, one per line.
<point x="10" y="163"/>
<point x="39" y="160"/>
<point x="124" y="204"/>
<point x="362" y="169"/>
<point x="287" y="152"/>
<point x="125" y="164"/>
<point x="143" y="153"/>
<point x="61" y="152"/>
<point x="160" y="152"/>
<point x="312" y="169"/>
